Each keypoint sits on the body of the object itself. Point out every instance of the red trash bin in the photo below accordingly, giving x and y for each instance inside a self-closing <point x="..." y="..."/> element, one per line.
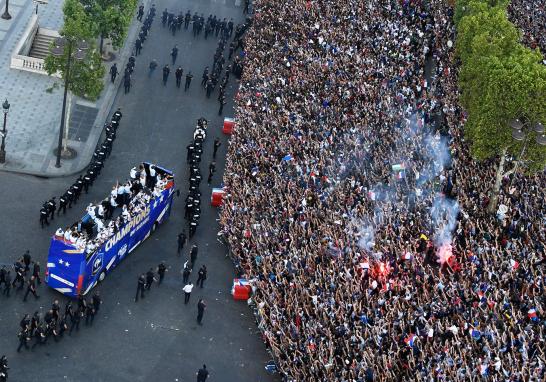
<point x="241" y="289"/>
<point x="217" y="197"/>
<point x="229" y="125"/>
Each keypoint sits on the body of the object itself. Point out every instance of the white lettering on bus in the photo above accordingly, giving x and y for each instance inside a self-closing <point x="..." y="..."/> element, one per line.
<point x="127" y="229"/>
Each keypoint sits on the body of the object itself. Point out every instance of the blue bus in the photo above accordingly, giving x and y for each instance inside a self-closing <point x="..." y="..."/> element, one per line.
<point x="85" y="253"/>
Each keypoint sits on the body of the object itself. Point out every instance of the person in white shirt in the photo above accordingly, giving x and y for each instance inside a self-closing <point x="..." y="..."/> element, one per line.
<point x="100" y="211"/>
<point x="91" y="210"/>
<point x="67" y="234"/>
<point x="126" y="215"/>
<point x="59" y="232"/>
<point x="157" y="192"/>
<point x="99" y="223"/>
<point x="187" y="292"/>
<point x="133" y="173"/>
<point x="80" y="243"/>
<point x="143" y="179"/>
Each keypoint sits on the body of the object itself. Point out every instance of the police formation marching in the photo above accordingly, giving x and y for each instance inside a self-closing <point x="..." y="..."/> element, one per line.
<point x="23" y="275"/>
<point x="72" y="194"/>
<point x="193" y="158"/>
<point x="55" y="323"/>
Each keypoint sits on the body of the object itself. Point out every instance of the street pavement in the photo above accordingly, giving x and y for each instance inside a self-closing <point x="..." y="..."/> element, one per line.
<point x="35" y="114"/>
<point x="158" y="337"/>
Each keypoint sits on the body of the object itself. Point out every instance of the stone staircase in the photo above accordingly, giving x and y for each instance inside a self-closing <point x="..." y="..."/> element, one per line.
<point x="40" y="45"/>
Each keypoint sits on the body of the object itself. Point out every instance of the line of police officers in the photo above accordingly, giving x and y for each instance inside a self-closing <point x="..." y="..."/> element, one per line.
<point x="213" y="25"/>
<point x="83" y="182"/>
<point x="21" y="269"/>
<point x="193" y="158"/>
<point x="54" y="324"/>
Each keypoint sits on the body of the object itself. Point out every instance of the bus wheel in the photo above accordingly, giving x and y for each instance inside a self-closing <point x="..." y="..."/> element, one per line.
<point x="102" y="276"/>
<point x="154" y="227"/>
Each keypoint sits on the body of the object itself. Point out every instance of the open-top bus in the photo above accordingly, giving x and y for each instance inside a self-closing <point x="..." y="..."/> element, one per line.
<point x="85" y="253"/>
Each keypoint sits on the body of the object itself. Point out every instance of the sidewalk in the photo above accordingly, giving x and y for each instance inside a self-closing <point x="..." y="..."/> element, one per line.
<point x="34" y="117"/>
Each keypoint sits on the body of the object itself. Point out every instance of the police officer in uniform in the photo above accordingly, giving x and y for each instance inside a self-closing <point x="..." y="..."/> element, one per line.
<point x="166" y="71"/>
<point x="31" y="288"/>
<point x="216" y="145"/>
<point x="161" y="269"/>
<point x="149" y="279"/>
<point x="96" y="301"/>
<point x="36" y="272"/>
<point x="7" y="283"/>
<point x="178" y="74"/>
<point x="201" y="276"/>
<point x="127" y="82"/>
<point x="181" y="241"/>
<point x="189" y="76"/>
<point x="43" y="216"/>
<point x="212" y="170"/>
<point x="113" y="72"/>
<point x="209" y="86"/>
<point x="140" y="286"/>
<point x="193" y="254"/>
<point x="117" y="115"/>
<point x="63" y="201"/>
<point x="174" y="53"/>
<point x="19" y="275"/>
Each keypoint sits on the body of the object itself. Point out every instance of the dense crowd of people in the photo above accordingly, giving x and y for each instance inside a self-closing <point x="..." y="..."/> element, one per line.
<point x="530" y="17"/>
<point x="354" y="205"/>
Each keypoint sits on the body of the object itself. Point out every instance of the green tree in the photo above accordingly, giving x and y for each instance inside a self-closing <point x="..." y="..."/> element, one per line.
<point x="112" y="19"/>
<point x="500" y="80"/>
<point x="84" y="75"/>
<point x="469" y="7"/>
<point x="487" y="33"/>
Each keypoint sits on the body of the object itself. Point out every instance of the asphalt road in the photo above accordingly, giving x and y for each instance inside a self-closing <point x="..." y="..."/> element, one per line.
<point x="158" y="337"/>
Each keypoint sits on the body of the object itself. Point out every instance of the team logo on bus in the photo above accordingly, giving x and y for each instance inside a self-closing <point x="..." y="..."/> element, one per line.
<point x="122" y="251"/>
<point x="97" y="264"/>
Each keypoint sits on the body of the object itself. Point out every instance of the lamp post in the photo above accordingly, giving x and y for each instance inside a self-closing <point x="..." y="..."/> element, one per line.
<point x="74" y="50"/>
<point x="6" y="15"/>
<point x="39" y="2"/>
<point x="5" y="108"/>
<point x="521" y="132"/>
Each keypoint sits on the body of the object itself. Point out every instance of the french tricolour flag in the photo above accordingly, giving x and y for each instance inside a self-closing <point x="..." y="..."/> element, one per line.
<point x="532" y="314"/>
<point x="410" y="339"/>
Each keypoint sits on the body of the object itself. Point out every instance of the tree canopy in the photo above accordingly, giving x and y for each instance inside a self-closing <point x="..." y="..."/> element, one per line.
<point x="85" y="75"/>
<point x="112" y="18"/>
<point x="500" y="80"/>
